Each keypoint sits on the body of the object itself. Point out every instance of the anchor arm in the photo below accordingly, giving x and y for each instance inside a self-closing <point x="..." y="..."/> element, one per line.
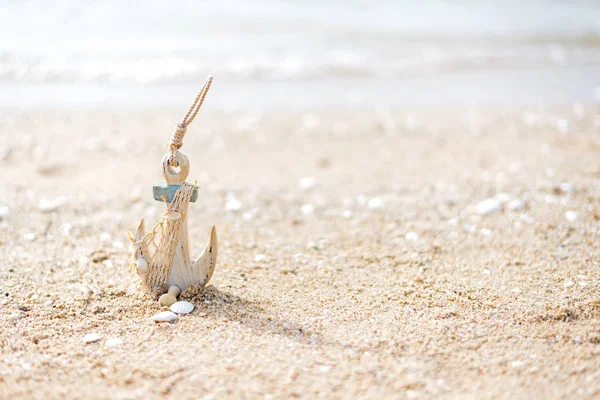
<point x="204" y="264"/>
<point x="139" y="249"/>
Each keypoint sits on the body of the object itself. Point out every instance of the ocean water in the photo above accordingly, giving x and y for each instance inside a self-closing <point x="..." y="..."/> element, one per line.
<point x="293" y="52"/>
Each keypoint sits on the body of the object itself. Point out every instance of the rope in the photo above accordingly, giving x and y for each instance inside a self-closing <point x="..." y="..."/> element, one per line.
<point x="176" y="140"/>
<point x="169" y="232"/>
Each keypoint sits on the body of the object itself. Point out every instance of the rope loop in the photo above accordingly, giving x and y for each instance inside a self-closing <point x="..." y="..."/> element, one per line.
<point x="176" y="140"/>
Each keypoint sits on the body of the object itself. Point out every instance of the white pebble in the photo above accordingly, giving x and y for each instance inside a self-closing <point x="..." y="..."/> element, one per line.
<point x="578" y="340"/>
<point x="91" y="338"/>
<point x="375" y="203"/>
<point x="516" y="205"/>
<point x="247" y="216"/>
<point x="65" y="229"/>
<point x="105" y="237"/>
<point x="470" y="228"/>
<point x="527" y="219"/>
<point x="306" y="183"/>
<point x="83" y="260"/>
<point x="260" y="258"/>
<point x="571" y="216"/>
<point x="411" y="236"/>
<point x="485" y="232"/>
<point x="114" y="342"/>
<point x="489" y="206"/>
<point x="29" y="237"/>
<point x="567" y="187"/>
<point x="312" y="246"/>
<point x="347" y="214"/>
<point x="562" y="124"/>
<point x="307" y="209"/>
<point x="569" y="283"/>
<point x="517" y="225"/>
<point x="47" y="206"/>
<point x="164" y="316"/>
<point x="4" y="212"/>
<point x="233" y="205"/>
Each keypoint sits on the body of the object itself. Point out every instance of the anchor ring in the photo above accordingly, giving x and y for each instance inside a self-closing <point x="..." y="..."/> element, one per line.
<point x="176" y="167"/>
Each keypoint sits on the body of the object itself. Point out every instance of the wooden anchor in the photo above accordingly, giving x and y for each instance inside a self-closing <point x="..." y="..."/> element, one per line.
<point x="161" y="257"/>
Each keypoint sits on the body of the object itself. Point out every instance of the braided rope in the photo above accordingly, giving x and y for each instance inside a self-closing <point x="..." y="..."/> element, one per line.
<point x="176" y="140"/>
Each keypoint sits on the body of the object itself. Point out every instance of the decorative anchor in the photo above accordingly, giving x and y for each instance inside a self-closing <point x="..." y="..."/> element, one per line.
<point x="161" y="257"/>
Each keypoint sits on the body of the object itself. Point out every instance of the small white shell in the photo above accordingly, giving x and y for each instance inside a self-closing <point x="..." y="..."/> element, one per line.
<point x="141" y="265"/>
<point x="91" y="338"/>
<point x="164" y="316"/>
<point x="182" y="307"/>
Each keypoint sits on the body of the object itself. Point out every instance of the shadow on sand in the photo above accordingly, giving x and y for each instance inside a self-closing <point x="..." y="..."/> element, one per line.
<point x="224" y="307"/>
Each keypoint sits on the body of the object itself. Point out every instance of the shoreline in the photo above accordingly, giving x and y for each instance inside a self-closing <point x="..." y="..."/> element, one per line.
<point x="486" y="88"/>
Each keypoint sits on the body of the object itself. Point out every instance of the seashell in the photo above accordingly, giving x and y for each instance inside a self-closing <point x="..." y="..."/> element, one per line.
<point x="164" y="316"/>
<point x="173" y="215"/>
<point x="91" y="338"/>
<point x="182" y="307"/>
<point x="141" y="265"/>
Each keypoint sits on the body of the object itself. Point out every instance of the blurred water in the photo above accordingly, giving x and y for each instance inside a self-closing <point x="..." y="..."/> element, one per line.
<point x="308" y="44"/>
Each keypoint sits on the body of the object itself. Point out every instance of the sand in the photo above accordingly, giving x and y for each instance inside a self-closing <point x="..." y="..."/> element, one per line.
<point x="378" y="279"/>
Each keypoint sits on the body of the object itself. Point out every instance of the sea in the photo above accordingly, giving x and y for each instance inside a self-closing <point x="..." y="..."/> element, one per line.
<point x="267" y="54"/>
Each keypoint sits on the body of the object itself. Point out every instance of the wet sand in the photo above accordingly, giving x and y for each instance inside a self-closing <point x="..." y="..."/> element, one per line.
<point x="435" y="254"/>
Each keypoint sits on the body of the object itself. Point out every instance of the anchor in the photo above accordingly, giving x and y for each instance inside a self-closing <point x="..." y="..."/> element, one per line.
<point x="161" y="257"/>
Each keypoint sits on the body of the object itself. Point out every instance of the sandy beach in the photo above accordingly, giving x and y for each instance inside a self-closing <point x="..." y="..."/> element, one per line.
<point x="380" y="253"/>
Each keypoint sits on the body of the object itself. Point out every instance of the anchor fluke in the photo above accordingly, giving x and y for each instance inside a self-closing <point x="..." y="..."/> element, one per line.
<point x="140" y="231"/>
<point x="204" y="264"/>
<point x="139" y="249"/>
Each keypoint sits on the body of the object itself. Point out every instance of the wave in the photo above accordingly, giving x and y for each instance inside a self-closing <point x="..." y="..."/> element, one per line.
<point x="399" y="61"/>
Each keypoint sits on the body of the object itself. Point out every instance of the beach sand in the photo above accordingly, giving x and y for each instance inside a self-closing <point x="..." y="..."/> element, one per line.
<point x="385" y="276"/>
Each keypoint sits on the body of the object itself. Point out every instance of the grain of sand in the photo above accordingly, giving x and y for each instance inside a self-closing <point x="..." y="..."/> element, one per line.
<point x="376" y="279"/>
